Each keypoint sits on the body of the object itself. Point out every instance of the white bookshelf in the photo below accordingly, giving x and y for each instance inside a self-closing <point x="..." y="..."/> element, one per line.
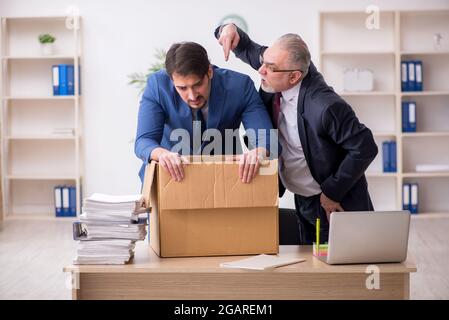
<point x="345" y="42"/>
<point x="34" y="156"/>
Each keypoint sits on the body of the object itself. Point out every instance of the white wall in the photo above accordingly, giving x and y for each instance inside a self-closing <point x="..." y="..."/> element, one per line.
<point x="120" y="38"/>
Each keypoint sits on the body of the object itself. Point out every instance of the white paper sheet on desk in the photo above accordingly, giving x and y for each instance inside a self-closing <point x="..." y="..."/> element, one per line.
<point x="261" y="262"/>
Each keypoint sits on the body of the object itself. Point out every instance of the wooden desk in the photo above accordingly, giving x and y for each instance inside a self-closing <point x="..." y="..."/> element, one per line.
<point x="151" y="277"/>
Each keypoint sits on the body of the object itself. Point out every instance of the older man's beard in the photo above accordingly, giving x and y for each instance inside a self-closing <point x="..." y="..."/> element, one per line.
<point x="267" y="88"/>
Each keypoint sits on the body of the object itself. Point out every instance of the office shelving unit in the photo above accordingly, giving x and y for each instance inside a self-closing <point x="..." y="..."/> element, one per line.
<point x="34" y="157"/>
<point x="346" y="42"/>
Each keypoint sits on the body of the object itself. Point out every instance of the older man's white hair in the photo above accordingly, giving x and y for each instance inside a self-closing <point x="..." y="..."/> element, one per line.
<point x="299" y="55"/>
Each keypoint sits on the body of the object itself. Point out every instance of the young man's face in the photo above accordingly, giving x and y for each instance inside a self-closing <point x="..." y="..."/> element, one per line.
<point x="193" y="89"/>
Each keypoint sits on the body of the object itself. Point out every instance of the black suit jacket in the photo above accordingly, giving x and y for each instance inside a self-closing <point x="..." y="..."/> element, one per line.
<point x="337" y="147"/>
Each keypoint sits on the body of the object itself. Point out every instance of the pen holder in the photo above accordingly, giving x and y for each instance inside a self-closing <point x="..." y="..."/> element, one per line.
<point x="320" y="250"/>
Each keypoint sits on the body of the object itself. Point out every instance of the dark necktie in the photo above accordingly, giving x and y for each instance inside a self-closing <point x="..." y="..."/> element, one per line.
<point x="276" y="108"/>
<point x="199" y="126"/>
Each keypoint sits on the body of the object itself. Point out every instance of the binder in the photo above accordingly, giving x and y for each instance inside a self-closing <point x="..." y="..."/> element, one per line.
<point x="406" y="196"/>
<point x="70" y="80"/>
<point x="412" y="116"/>
<point x="404" y="76"/>
<point x="405" y="117"/>
<point x="414" y="198"/>
<point x="392" y="153"/>
<point x="63" y="88"/>
<point x="58" y="201"/>
<point x="72" y="201"/>
<point x="386" y="156"/>
<point x="411" y="76"/>
<point x="418" y="75"/>
<point x="79" y="80"/>
<point x="55" y="79"/>
<point x="65" y="201"/>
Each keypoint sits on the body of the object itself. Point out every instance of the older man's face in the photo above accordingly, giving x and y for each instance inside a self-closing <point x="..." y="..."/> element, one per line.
<point x="274" y="59"/>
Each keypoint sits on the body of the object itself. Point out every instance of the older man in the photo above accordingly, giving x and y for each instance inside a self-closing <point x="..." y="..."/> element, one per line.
<point x="325" y="149"/>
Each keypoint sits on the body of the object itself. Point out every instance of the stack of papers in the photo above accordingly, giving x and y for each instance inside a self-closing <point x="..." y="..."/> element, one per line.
<point x="108" y="229"/>
<point x="112" y="251"/>
<point x="113" y="208"/>
<point x="96" y="229"/>
<point x="262" y="262"/>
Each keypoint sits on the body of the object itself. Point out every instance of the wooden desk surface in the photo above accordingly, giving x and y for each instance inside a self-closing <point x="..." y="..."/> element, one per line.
<point x="146" y="261"/>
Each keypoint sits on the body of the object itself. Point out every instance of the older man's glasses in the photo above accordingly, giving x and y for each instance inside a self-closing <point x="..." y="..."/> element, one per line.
<point x="273" y="68"/>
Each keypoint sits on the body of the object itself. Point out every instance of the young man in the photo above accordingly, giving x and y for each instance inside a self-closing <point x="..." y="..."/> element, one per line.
<point x="325" y="149"/>
<point x="191" y="96"/>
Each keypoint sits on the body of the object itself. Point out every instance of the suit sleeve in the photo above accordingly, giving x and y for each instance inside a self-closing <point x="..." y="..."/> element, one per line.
<point x="150" y="124"/>
<point x="255" y="117"/>
<point x="247" y="50"/>
<point x="343" y="127"/>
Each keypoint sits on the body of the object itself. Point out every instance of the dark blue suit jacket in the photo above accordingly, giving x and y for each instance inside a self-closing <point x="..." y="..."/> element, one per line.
<point x="337" y="147"/>
<point x="233" y="99"/>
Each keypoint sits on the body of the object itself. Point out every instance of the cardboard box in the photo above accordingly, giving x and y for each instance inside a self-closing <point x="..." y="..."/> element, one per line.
<point x="211" y="212"/>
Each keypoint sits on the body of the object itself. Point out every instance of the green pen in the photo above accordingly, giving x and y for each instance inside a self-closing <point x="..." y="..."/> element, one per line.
<point x="318" y="236"/>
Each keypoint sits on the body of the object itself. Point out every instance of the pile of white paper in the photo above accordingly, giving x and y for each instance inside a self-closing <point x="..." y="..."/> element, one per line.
<point x="113" y="251"/>
<point x="108" y="229"/>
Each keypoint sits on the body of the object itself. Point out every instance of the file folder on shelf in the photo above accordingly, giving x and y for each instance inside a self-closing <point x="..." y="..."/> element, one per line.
<point x="63" y="88"/>
<point x="408" y="116"/>
<point x="412" y="117"/>
<point x="386" y="156"/>
<point x="72" y="201"/>
<point x="405" y="117"/>
<point x="406" y="196"/>
<point x="58" y="201"/>
<point x="55" y="79"/>
<point x="65" y="201"/>
<point x="411" y="76"/>
<point x="418" y="76"/>
<point x="70" y="80"/>
<point x="414" y="198"/>
<point x="404" y="76"/>
<point x="392" y="154"/>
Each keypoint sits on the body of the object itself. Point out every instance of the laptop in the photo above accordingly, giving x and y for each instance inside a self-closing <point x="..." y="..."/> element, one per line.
<point x="367" y="237"/>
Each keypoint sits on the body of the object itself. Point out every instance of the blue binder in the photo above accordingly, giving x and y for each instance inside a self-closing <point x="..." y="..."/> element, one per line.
<point x="404" y="76"/>
<point x="72" y="201"/>
<point x="414" y="198"/>
<point x="79" y="79"/>
<point x="392" y="153"/>
<point x="406" y="196"/>
<point x="65" y="201"/>
<point x="55" y="79"/>
<point x="70" y="80"/>
<point x="418" y="75"/>
<point x="63" y="88"/>
<point x="411" y="76"/>
<point x="405" y="119"/>
<point x="412" y="116"/>
<point x="58" y="201"/>
<point x="386" y="156"/>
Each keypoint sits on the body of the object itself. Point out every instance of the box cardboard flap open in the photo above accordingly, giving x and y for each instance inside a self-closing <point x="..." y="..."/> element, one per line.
<point x="216" y="185"/>
<point x="150" y="171"/>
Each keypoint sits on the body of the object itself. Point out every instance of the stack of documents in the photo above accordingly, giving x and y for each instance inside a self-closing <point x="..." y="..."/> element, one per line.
<point x="113" y="251"/>
<point x="113" y="208"/>
<point x="108" y="229"/>
<point x="97" y="229"/>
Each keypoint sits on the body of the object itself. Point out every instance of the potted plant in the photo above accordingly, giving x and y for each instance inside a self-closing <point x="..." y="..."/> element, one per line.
<point x="46" y="41"/>
<point x="139" y="79"/>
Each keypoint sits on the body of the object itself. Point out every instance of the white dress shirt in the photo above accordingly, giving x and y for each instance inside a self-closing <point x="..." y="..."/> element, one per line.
<point x="293" y="169"/>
